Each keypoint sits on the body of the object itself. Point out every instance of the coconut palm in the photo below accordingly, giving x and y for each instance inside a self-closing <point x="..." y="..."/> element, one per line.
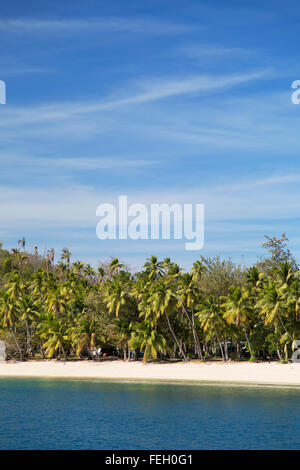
<point x="9" y="318"/>
<point x="28" y="313"/>
<point x="211" y="320"/>
<point x="57" y="299"/>
<point x="284" y="272"/>
<point x="14" y="285"/>
<point x="124" y="330"/>
<point x="271" y="305"/>
<point x="254" y="277"/>
<point x="101" y="274"/>
<point x="189" y="296"/>
<point x="117" y="296"/>
<point x="163" y="302"/>
<point x="145" y="338"/>
<point x="154" y="268"/>
<point x="83" y="334"/>
<point x="198" y="270"/>
<point x="66" y="256"/>
<point x="89" y="272"/>
<point x="54" y="332"/>
<point x="238" y="310"/>
<point x="115" y="266"/>
<point x="292" y="297"/>
<point x="78" y="268"/>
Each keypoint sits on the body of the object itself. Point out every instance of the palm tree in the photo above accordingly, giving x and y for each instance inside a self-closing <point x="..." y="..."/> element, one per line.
<point x="238" y="310"/>
<point x="154" y="268"/>
<point x="57" y="300"/>
<point x="115" y="266"/>
<point x="163" y="302"/>
<point x="21" y="259"/>
<point x="210" y="317"/>
<point x="14" y="285"/>
<point x="167" y="265"/>
<point x="38" y="287"/>
<point x="271" y="305"/>
<point x="124" y="330"/>
<point x="54" y="332"/>
<point x="284" y="272"/>
<point x="78" y="267"/>
<point x="189" y="295"/>
<point x="89" y="272"/>
<point x="292" y="296"/>
<point x="173" y="272"/>
<point x="147" y="340"/>
<point x="83" y="334"/>
<point x="198" y="270"/>
<point x="28" y="313"/>
<point x="9" y="318"/>
<point x="254" y="277"/>
<point x="117" y="297"/>
<point x="66" y="256"/>
<point x="101" y="274"/>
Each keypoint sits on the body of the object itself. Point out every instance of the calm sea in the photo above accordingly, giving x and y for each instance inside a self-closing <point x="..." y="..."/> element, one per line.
<point x="53" y="414"/>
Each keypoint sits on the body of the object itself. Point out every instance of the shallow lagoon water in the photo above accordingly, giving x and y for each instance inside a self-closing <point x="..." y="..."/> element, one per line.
<point x="67" y="414"/>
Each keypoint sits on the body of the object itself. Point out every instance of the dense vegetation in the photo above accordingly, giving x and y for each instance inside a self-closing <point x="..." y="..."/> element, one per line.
<point x="217" y="310"/>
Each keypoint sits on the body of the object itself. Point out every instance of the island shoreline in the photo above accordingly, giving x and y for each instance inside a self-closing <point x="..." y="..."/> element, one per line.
<point x="241" y="374"/>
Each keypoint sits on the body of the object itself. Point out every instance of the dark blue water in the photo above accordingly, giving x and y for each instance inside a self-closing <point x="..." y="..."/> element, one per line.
<point x="53" y="414"/>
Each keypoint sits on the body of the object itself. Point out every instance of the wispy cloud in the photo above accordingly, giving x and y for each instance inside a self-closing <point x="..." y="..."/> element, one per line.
<point x="91" y="25"/>
<point x="246" y="213"/>
<point x="270" y="181"/>
<point x="75" y="205"/>
<point x="38" y="164"/>
<point x="148" y="91"/>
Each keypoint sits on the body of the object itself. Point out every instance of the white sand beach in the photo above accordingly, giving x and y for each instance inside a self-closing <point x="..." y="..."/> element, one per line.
<point x="232" y="372"/>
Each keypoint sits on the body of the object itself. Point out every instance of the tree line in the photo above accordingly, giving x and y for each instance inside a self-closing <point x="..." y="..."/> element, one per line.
<point x="217" y="310"/>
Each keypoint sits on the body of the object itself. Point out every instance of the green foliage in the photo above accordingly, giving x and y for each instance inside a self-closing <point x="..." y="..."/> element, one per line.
<point x="217" y="309"/>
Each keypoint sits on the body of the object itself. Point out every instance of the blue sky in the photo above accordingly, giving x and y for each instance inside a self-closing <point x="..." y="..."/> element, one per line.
<point x="164" y="101"/>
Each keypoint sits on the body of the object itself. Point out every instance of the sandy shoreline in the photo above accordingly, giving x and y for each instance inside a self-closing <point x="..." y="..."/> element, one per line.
<point x="238" y="373"/>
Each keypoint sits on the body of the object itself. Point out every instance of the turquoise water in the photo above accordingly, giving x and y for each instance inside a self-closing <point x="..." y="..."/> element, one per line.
<point x="53" y="414"/>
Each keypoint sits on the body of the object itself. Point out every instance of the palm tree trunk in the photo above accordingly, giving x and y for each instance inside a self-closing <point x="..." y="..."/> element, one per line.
<point x="64" y="352"/>
<point x="42" y="351"/>
<point x="17" y="344"/>
<point x="284" y="328"/>
<point x="128" y="351"/>
<point x="186" y="359"/>
<point x="247" y="339"/>
<point x="278" y="353"/>
<point x="28" y="339"/>
<point x="285" y="351"/>
<point x="220" y="345"/>
<point x="196" y="338"/>
<point x="198" y="351"/>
